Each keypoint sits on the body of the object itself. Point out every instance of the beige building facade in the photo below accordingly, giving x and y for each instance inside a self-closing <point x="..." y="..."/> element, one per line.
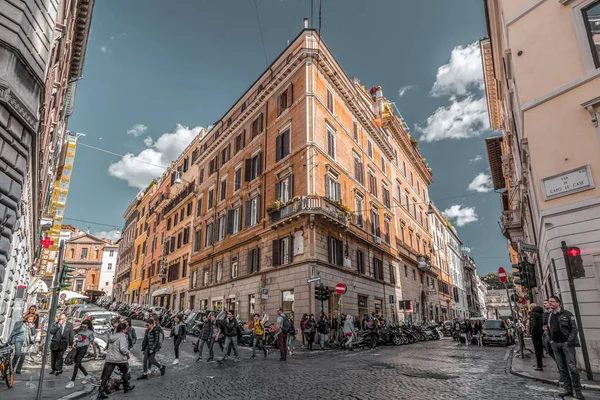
<point x="542" y="76"/>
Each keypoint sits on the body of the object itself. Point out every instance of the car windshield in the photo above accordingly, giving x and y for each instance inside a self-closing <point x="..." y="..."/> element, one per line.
<point x="493" y="324"/>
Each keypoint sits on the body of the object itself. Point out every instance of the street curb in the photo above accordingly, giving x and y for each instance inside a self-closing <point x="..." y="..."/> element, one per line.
<point x="553" y="382"/>
<point x="79" y="394"/>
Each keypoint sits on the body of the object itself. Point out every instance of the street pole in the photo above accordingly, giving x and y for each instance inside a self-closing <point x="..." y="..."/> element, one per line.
<point x="321" y="291"/>
<point x="584" y="350"/>
<point x="51" y="317"/>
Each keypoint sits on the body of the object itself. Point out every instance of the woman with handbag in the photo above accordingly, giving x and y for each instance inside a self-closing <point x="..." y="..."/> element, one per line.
<point x="84" y="337"/>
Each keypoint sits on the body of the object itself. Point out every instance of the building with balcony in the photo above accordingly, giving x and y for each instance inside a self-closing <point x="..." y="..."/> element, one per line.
<point x="460" y="307"/>
<point x="542" y="77"/>
<point x="126" y="254"/>
<point x="85" y="253"/>
<point x="140" y="245"/>
<point x="472" y="287"/>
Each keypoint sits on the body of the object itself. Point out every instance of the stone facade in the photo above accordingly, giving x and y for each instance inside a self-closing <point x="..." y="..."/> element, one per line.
<point x="85" y="253"/>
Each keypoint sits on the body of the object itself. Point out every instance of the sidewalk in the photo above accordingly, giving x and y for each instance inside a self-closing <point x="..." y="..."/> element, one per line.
<point x="550" y="375"/>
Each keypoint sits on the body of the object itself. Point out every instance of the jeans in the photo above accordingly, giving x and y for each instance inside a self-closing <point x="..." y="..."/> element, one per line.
<point x="232" y="341"/>
<point x="479" y="339"/>
<point x="538" y="348"/>
<point x="150" y="360"/>
<point x="19" y="357"/>
<point x="200" y="345"/>
<point x="310" y="339"/>
<point x="108" y="370"/>
<point x="210" y="342"/>
<point x="80" y="352"/>
<point x="176" y="344"/>
<point x="282" y="341"/>
<point x="56" y="360"/>
<point x="322" y="340"/>
<point x="566" y="361"/>
<point x="290" y="341"/>
<point x="257" y="341"/>
<point x="546" y="340"/>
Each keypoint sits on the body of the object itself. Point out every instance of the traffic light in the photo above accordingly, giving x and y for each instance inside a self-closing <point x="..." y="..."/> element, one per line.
<point x="531" y="275"/>
<point x="517" y="274"/>
<point x="575" y="262"/>
<point x="318" y="293"/>
<point x="64" y="277"/>
<point x="325" y="293"/>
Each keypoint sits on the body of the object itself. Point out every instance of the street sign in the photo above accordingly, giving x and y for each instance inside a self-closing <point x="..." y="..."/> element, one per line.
<point x="527" y="248"/>
<point x="431" y="293"/>
<point x="340" y="288"/>
<point x="264" y="293"/>
<point x="63" y="296"/>
<point x="314" y="279"/>
<point x="502" y="275"/>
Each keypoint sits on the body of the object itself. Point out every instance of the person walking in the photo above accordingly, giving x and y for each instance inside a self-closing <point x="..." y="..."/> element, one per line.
<point x="478" y="330"/>
<point x="349" y="331"/>
<point x="178" y="334"/>
<point x="309" y="331"/>
<point x="150" y="346"/>
<point x="62" y="339"/>
<point x="203" y="337"/>
<point x="283" y="328"/>
<point x="131" y="335"/>
<point x="536" y="330"/>
<point x="546" y="334"/>
<point x="21" y="338"/>
<point x="214" y="336"/>
<point x="563" y="336"/>
<point x="117" y="356"/>
<point x="303" y="328"/>
<point x="291" y="337"/>
<point x="231" y="335"/>
<point x="323" y="330"/>
<point x="469" y="329"/>
<point x="258" y="333"/>
<point x="84" y="337"/>
<point x="36" y="318"/>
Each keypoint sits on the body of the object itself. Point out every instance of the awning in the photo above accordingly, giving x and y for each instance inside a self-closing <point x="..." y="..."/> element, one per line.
<point x="69" y="295"/>
<point x="162" y="291"/>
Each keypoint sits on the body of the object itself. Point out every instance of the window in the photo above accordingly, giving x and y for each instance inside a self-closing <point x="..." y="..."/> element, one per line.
<point x="192" y="302"/>
<point x="189" y="208"/>
<point x="223" y="191"/>
<point x="283" y="189"/>
<point x="206" y="277"/>
<point x="211" y="198"/>
<point x="282" y="145"/>
<point x="111" y="253"/>
<point x="419" y="188"/>
<point x="419" y="245"/>
<point x="282" y="251"/>
<point x="199" y="207"/>
<point x="234" y="220"/>
<point x="208" y="238"/>
<point x="386" y="196"/>
<point x="358" y="211"/>
<point x="377" y="268"/>
<point x="402" y="234"/>
<point x="383" y="164"/>
<point x="175" y="219"/>
<point x="410" y="240"/>
<point x="257" y="126"/>
<point x="201" y="176"/>
<point x="179" y="237"/>
<point x="414" y="275"/>
<point x="369" y="148"/>
<point x="237" y="179"/>
<point x="220" y="228"/>
<point x="186" y="164"/>
<point x="375" y="228"/>
<point x="407" y="201"/>
<point x="84" y="253"/>
<point x="406" y="271"/>
<point x="372" y="183"/>
<point x="392" y="274"/>
<point x="335" y="253"/>
<point x="591" y="16"/>
<point x="253" y="167"/>
<point x="240" y="141"/>
<point x="195" y="155"/>
<point x="182" y="214"/>
<point x="234" y="266"/>
<point x="329" y="100"/>
<point x="333" y="188"/>
<point x="404" y="167"/>
<point x="172" y="244"/>
<point x="109" y="267"/>
<point x="355" y="130"/>
<point x="186" y="235"/>
<point x="197" y="237"/>
<point x="399" y="190"/>
<point x="253" y="260"/>
<point x="412" y="179"/>
<point x="213" y="165"/>
<point x="219" y="271"/>
<point x="286" y="98"/>
<point x="358" y="169"/>
<point x="330" y="143"/>
<point x="386" y="229"/>
<point x="360" y="261"/>
<point x="251" y="306"/>
<point x="226" y="154"/>
<point x="184" y="268"/>
<point x="252" y="211"/>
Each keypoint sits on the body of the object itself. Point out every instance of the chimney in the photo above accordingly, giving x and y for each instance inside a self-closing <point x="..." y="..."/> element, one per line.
<point x="305" y="23"/>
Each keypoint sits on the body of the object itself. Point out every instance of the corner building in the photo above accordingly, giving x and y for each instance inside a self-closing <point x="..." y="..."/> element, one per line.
<point x="308" y="175"/>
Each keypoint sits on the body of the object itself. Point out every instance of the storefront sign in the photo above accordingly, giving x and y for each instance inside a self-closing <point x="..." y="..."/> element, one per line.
<point x="567" y="183"/>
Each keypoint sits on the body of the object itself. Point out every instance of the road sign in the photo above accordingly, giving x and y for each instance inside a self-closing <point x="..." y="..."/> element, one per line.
<point x="63" y="296"/>
<point x="264" y="293"/>
<point x="314" y="279"/>
<point x="502" y="275"/>
<point x="340" y="288"/>
<point x="527" y="248"/>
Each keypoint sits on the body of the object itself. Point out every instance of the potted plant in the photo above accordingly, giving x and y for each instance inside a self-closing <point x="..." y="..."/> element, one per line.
<point x="414" y="143"/>
<point x="275" y="206"/>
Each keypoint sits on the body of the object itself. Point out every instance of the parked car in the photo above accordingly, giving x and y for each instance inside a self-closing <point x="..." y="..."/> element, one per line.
<point x="77" y="315"/>
<point x="495" y="331"/>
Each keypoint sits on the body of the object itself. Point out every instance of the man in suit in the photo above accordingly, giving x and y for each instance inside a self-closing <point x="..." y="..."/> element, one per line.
<point x="62" y="339"/>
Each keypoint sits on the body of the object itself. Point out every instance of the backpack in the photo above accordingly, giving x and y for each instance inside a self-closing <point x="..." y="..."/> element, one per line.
<point x="286" y="327"/>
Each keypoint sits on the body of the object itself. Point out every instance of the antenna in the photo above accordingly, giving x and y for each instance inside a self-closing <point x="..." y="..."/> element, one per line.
<point x="320" y="4"/>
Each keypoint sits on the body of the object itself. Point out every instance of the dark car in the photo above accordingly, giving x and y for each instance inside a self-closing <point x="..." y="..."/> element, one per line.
<point x="495" y="331"/>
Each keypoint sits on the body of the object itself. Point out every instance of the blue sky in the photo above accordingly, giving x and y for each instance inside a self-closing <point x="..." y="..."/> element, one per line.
<point x="156" y="71"/>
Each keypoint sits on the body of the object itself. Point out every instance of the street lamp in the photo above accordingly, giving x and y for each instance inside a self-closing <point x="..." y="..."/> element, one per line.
<point x="430" y="210"/>
<point x="178" y="179"/>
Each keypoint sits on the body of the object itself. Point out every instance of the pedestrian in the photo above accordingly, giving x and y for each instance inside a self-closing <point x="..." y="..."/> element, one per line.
<point x="323" y="330"/>
<point x="283" y="329"/>
<point x="150" y="346"/>
<point x="536" y="330"/>
<point x="178" y="334"/>
<point x="115" y="323"/>
<point x="214" y="337"/>
<point x="117" y="356"/>
<point x="84" y="337"/>
<point x="21" y="338"/>
<point x="303" y="328"/>
<point x="258" y="333"/>
<point x="203" y="337"/>
<point x="131" y="334"/>
<point x="349" y="331"/>
<point x="563" y="333"/>
<point x="469" y="328"/>
<point x="231" y="335"/>
<point x="546" y="334"/>
<point x="36" y="318"/>
<point x="478" y="330"/>
<point x="291" y="337"/>
<point x="334" y="328"/>
<point x="309" y="331"/>
<point x="462" y="328"/>
<point x="62" y="339"/>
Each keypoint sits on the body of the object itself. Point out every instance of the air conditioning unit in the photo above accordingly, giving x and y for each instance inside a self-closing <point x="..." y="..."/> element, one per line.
<point x="377" y="240"/>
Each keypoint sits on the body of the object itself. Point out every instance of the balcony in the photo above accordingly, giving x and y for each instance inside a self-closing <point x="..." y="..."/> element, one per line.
<point x="512" y="225"/>
<point x="321" y="207"/>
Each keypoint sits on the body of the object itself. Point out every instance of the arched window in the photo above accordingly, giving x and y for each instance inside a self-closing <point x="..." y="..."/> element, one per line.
<point x="72" y="253"/>
<point x="93" y="279"/>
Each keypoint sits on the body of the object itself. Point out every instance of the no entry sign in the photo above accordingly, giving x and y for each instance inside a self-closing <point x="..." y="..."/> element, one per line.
<point x="340" y="288"/>
<point x="502" y="275"/>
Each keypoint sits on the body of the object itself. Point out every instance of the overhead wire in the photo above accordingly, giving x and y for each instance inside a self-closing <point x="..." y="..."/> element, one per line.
<point x="92" y="222"/>
<point x="119" y="155"/>
<point x="262" y="38"/>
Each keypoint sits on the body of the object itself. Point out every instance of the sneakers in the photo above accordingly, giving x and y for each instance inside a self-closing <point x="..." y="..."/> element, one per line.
<point x="266" y="353"/>
<point x="128" y="388"/>
<point x="199" y="359"/>
<point x="85" y="380"/>
<point x="176" y="361"/>
<point x="538" y="369"/>
<point x="70" y="385"/>
<point x="163" y="369"/>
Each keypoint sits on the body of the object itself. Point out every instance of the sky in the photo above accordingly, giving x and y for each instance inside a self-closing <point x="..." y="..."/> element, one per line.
<point x="156" y="72"/>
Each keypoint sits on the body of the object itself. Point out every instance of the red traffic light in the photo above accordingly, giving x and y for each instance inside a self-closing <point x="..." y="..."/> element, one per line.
<point x="573" y="252"/>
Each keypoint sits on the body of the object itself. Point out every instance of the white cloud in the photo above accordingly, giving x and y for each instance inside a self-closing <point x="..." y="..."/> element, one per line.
<point x="462" y="119"/>
<point x="138" y="170"/>
<point x="461" y="74"/>
<point x="476" y="159"/>
<point x="403" y="90"/>
<point x="105" y="49"/>
<point x="466" y="249"/>
<point x="461" y="215"/>
<point x="482" y="183"/>
<point x="113" y="235"/>
<point x="148" y="141"/>
<point x="137" y="130"/>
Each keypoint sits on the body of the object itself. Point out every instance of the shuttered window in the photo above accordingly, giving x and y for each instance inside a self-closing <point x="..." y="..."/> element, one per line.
<point x="282" y="145"/>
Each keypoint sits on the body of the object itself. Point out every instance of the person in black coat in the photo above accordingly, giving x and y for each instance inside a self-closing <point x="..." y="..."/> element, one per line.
<point x="536" y="330"/>
<point x="62" y="339"/>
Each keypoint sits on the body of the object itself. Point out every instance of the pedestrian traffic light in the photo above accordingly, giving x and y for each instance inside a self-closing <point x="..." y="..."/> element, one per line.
<point x="319" y="293"/>
<point x="64" y="277"/>
<point x="325" y="293"/>
<point x="575" y="262"/>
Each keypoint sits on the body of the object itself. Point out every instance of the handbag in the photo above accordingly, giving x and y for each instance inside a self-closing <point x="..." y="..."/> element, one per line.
<point x="70" y="358"/>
